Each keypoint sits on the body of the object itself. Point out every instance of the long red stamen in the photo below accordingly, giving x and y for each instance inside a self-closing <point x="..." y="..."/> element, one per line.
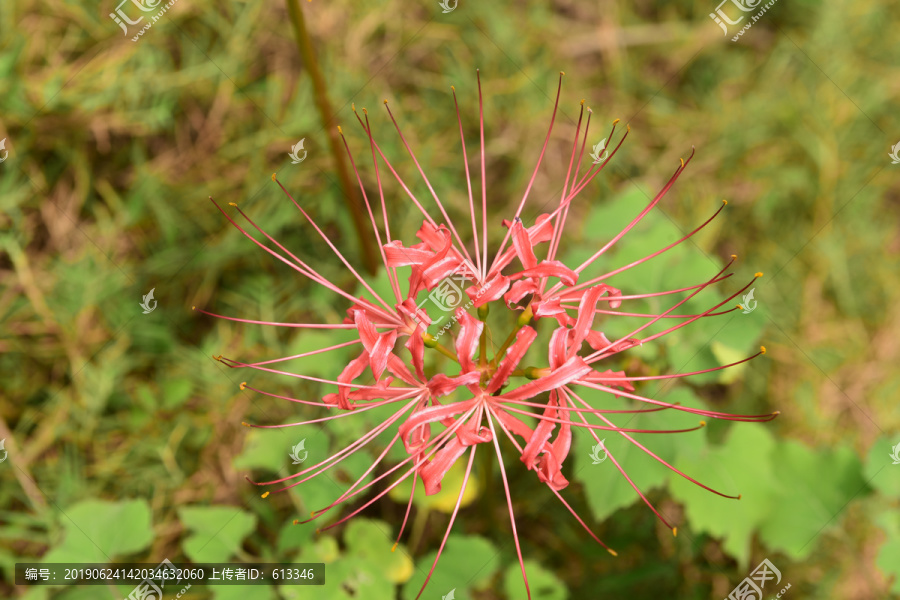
<point x="533" y="177"/>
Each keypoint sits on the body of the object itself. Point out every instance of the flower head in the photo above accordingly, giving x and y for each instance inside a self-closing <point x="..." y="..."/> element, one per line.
<point x="490" y="392"/>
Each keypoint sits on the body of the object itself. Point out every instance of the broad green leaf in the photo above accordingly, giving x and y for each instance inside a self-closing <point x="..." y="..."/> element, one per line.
<point x="216" y="532"/>
<point x="813" y="489"/>
<point x="99" y="531"/>
<point x="888" y="559"/>
<point x="544" y="585"/>
<point x="368" y="569"/>
<point x="371" y="541"/>
<point x="294" y="537"/>
<point x="271" y="449"/>
<point x="881" y="471"/>
<point x="606" y="488"/>
<point x="466" y="563"/>
<point x="736" y="339"/>
<point x="742" y="465"/>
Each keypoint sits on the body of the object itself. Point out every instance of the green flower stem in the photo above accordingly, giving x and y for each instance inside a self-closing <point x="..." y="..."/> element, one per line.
<point x="523" y="320"/>
<point x="483" y="311"/>
<point x="326" y="116"/>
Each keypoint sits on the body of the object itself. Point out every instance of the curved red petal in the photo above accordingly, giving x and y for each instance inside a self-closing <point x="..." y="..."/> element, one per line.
<point x="550" y="268"/>
<point x="396" y="255"/>
<point x="433" y="472"/>
<point x="440" y="385"/>
<point x="467" y="340"/>
<point x="519" y="290"/>
<point x="572" y="369"/>
<point x="524" y="246"/>
<point x="416" y="347"/>
<point x="492" y="290"/>
<point x="432" y="414"/>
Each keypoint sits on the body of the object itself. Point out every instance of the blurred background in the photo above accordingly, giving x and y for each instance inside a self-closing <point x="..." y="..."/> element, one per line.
<point x="123" y="437"/>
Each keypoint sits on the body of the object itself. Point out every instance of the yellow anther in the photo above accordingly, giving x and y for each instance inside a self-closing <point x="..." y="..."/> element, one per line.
<point x="611" y="551"/>
<point x="365" y="112"/>
<point x="734" y="257"/>
<point x="762" y="349"/>
<point x="340" y="131"/>
<point x="453" y="88"/>
<point x="725" y="202"/>
<point x="353" y="106"/>
<point x="562" y="72"/>
<point x="273" y="176"/>
<point x="759" y="274"/>
<point x="243" y="385"/>
<point x="385" y="100"/>
<point x="740" y="306"/>
<point x="193" y="308"/>
<point x="682" y="162"/>
<point x="266" y="495"/>
<point x="582" y="101"/>
<point x="394" y="547"/>
<point x="740" y="496"/>
<point x="234" y="204"/>
<point x="702" y="423"/>
<point x="616" y="121"/>
<point x="245" y="424"/>
<point x="675" y="531"/>
<point x="627" y="128"/>
<point x="777" y="412"/>
<point x="296" y="521"/>
<point x="219" y="357"/>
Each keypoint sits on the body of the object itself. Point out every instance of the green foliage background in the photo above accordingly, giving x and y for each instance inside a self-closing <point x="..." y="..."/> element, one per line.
<point x="124" y="436"/>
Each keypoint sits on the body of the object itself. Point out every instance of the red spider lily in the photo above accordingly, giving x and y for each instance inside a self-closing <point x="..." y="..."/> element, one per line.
<point x="497" y="392"/>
